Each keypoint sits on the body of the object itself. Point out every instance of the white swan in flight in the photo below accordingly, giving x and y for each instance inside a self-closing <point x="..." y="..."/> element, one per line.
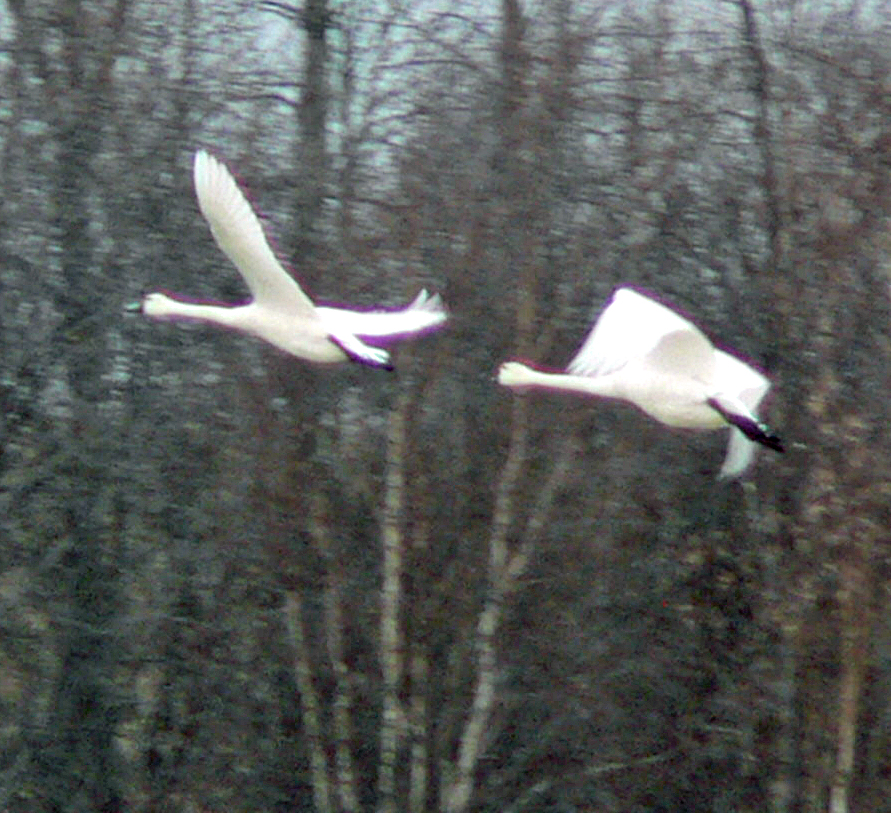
<point x="279" y="312"/>
<point x="641" y="351"/>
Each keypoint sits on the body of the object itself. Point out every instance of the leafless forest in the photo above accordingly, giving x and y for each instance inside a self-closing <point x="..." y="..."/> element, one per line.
<point x="233" y="581"/>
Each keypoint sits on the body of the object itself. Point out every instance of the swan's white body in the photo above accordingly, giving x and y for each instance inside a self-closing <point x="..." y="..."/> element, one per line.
<point x="642" y="352"/>
<point x="279" y="311"/>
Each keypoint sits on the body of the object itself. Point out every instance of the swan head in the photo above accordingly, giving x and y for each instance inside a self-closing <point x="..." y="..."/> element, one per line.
<point x="157" y="305"/>
<point x="514" y="374"/>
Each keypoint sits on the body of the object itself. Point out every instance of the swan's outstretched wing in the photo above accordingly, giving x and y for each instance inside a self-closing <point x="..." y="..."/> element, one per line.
<point x="634" y="326"/>
<point x="423" y="313"/>
<point x="734" y="377"/>
<point x="239" y="234"/>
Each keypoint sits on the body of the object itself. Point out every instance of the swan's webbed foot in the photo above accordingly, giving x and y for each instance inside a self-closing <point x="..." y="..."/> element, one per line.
<point x="362" y="353"/>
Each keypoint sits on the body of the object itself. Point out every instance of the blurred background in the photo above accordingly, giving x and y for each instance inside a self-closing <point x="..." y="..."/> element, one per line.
<point x="233" y="581"/>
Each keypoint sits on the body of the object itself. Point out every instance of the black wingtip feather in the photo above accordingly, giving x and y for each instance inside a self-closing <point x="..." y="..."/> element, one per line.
<point x="388" y="366"/>
<point x="751" y="429"/>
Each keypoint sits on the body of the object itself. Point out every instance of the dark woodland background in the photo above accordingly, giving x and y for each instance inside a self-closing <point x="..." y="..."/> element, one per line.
<point x="232" y="581"/>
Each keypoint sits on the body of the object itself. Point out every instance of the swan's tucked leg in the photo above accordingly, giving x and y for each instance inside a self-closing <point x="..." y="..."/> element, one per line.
<point x="360" y="352"/>
<point x="748" y="426"/>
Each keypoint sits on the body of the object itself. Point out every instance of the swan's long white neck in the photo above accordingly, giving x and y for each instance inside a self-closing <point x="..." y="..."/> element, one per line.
<point x="163" y="307"/>
<point x="515" y="374"/>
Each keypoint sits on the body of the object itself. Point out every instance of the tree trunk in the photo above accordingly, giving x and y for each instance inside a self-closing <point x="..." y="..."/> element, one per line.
<point x="855" y="621"/>
<point x="391" y="601"/>
<point x="312" y="121"/>
<point x="310" y="704"/>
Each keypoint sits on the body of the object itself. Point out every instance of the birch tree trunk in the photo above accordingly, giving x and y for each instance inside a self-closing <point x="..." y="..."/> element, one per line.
<point x="391" y="599"/>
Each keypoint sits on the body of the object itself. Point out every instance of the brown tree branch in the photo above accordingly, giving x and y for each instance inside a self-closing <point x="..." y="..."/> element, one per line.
<point x="541" y="512"/>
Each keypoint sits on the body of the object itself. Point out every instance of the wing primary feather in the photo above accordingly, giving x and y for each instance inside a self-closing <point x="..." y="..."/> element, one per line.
<point x="239" y="234"/>
<point x="753" y="430"/>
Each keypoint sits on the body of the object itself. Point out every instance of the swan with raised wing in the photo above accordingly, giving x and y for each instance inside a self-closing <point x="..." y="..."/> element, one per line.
<point x="279" y="312"/>
<point x="643" y="352"/>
